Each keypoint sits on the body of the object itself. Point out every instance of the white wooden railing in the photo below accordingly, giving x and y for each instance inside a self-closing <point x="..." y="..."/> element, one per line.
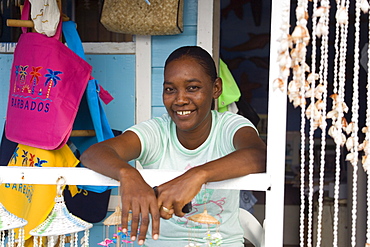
<point x="85" y="176"/>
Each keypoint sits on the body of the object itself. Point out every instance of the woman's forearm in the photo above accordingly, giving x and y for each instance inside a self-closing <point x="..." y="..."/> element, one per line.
<point x="103" y="159"/>
<point x="239" y="163"/>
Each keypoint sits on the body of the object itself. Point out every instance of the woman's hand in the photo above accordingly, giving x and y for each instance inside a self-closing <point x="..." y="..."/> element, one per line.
<point x="173" y="195"/>
<point x="139" y="198"/>
<point x="111" y="158"/>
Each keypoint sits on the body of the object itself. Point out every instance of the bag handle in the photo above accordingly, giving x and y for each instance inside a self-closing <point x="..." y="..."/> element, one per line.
<point x="25" y="14"/>
<point x="73" y="39"/>
<point x="74" y="43"/>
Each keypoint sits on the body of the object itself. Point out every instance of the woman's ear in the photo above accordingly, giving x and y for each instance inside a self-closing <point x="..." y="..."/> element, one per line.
<point x="217" y="88"/>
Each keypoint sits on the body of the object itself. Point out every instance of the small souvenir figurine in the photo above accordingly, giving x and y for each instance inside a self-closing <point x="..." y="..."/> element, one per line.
<point x="8" y="223"/>
<point x="61" y="223"/>
<point x="119" y="238"/>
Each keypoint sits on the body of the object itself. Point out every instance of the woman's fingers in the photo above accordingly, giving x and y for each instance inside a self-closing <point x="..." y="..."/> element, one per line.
<point x="166" y="212"/>
<point x="154" y="211"/>
<point x="135" y="220"/>
<point x="178" y="209"/>
<point x="144" y="222"/>
<point x="125" y="216"/>
<point x="143" y="209"/>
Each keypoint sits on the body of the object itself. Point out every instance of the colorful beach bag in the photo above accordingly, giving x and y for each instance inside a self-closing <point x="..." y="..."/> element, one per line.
<point x="47" y="83"/>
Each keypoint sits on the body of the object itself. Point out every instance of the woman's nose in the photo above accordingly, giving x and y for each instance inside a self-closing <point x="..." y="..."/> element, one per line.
<point x="181" y="98"/>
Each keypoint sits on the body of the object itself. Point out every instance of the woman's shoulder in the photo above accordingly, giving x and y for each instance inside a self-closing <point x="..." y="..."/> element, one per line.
<point x="156" y="124"/>
<point x="230" y="118"/>
<point x="227" y="115"/>
<point x="165" y="119"/>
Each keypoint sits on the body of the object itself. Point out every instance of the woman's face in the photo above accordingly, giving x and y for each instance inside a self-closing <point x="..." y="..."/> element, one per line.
<point x="188" y="93"/>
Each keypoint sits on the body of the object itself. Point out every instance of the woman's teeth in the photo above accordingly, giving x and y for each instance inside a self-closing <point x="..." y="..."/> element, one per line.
<point x="183" y="112"/>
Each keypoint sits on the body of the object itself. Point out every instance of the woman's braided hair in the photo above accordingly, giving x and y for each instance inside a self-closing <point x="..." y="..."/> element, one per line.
<point x="198" y="53"/>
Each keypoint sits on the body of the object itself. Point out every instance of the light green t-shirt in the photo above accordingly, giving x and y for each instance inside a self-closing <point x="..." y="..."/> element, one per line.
<point x="160" y="149"/>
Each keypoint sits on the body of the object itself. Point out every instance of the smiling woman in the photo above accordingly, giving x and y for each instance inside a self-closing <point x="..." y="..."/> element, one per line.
<point x="190" y="86"/>
<point x="188" y="95"/>
<point x="206" y="145"/>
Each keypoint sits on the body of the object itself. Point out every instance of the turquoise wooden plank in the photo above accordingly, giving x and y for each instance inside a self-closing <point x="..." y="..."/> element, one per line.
<point x="162" y="46"/>
<point x="6" y="61"/>
<point x="116" y="73"/>
<point x="158" y="111"/>
<point x="190" y="12"/>
<point x="157" y="86"/>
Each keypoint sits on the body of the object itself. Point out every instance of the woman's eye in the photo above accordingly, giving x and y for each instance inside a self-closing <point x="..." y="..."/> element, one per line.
<point x="168" y="89"/>
<point x="193" y="88"/>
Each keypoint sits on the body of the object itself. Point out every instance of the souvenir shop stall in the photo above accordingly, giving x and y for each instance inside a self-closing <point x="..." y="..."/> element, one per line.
<point x="61" y="226"/>
<point x="300" y="65"/>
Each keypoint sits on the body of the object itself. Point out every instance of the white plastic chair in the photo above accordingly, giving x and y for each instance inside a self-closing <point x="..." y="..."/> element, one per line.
<point x="253" y="230"/>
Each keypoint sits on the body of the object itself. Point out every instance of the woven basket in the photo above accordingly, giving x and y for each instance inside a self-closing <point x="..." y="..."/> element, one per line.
<point x="160" y="17"/>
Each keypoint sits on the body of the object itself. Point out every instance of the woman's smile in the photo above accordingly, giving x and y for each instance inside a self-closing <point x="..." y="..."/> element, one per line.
<point x="183" y="113"/>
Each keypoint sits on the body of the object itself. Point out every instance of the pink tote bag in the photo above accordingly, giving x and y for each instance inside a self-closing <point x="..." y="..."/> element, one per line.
<point x="46" y="86"/>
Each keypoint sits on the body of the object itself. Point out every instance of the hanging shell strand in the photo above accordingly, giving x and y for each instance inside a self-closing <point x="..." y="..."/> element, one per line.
<point x="307" y="89"/>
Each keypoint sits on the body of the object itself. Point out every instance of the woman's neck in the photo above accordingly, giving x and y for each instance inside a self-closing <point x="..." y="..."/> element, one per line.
<point x="195" y="138"/>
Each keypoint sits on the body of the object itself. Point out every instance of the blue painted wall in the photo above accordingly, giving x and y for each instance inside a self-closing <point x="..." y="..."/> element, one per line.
<point x="5" y="65"/>
<point x="162" y="46"/>
<point x="116" y="73"/>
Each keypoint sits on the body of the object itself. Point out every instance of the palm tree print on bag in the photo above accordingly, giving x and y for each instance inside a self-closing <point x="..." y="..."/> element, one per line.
<point x="35" y="74"/>
<point x="40" y="162"/>
<point x="25" y="158"/>
<point x="16" y="77"/>
<point x="22" y="74"/>
<point x="15" y="155"/>
<point x="32" y="160"/>
<point x="53" y="79"/>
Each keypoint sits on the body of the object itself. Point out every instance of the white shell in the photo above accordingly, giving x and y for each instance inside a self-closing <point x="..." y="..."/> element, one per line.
<point x="350" y="157"/>
<point x="350" y="143"/>
<point x="321" y="29"/>
<point x="320" y="11"/>
<point x="365" y="162"/>
<point x="300" y="13"/>
<point x="278" y="83"/>
<point x="300" y="33"/>
<point x="319" y="104"/>
<point x="342" y="15"/>
<point x="333" y="114"/>
<point x="332" y="131"/>
<point x="322" y="122"/>
<point x="365" y="6"/>
<point x="350" y="127"/>
<point x="312" y="77"/>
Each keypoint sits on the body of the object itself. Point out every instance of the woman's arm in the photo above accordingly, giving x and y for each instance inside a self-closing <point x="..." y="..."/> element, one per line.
<point x="249" y="157"/>
<point x="111" y="158"/>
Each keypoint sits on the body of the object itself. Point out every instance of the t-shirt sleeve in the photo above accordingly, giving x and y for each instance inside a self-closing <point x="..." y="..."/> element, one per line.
<point x="230" y="124"/>
<point x="150" y="139"/>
